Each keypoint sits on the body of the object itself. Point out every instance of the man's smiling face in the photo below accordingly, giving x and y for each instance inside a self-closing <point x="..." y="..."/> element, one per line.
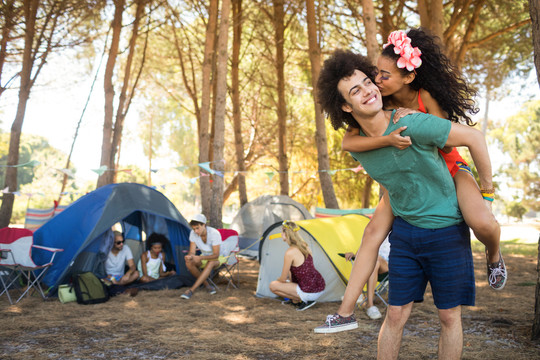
<point x="361" y="95"/>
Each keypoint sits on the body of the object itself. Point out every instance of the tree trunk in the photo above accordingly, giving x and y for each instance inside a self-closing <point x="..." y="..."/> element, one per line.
<point x="30" y="13"/>
<point x="106" y="145"/>
<point x="279" y="38"/>
<point x="460" y="57"/>
<point x="485" y="123"/>
<point x="325" y="178"/>
<point x="206" y="95"/>
<point x="235" y="95"/>
<point x="370" y="24"/>
<point x="9" y="24"/>
<point x="431" y="16"/>
<point x="219" y="132"/>
<point x="366" y="196"/>
<point x="123" y="103"/>
<point x="534" y="10"/>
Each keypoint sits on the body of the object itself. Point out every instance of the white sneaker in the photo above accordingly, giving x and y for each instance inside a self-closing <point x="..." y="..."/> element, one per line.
<point x="373" y="313"/>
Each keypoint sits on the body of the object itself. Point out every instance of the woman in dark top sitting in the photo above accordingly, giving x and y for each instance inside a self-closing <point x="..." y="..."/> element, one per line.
<point x="306" y="284"/>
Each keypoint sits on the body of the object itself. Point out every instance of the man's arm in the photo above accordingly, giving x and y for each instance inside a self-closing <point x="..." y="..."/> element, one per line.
<point x="131" y="264"/>
<point x="192" y="248"/>
<point x="462" y="135"/>
<point x="214" y="256"/>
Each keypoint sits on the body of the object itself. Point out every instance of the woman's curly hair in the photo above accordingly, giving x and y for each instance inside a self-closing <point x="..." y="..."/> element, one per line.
<point x="340" y="65"/>
<point x="156" y="238"/>
<point x="439" y="76"/>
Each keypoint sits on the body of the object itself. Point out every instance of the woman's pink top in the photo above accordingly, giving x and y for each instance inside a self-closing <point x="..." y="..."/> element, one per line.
<point x="307" y="277"/>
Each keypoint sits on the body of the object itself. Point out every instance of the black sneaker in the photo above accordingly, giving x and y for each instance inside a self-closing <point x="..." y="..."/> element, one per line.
<point x="305" y="305"/>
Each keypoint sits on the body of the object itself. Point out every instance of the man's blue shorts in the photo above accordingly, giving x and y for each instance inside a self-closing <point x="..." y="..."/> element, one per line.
<point x="441" y="256"/>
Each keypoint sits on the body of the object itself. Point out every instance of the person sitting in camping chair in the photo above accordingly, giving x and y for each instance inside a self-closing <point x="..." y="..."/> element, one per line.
<point x="116" y="262"/>
<point x="381" y="267"/>
<point x="152" y="263"/>
<point x="208" y="241"/>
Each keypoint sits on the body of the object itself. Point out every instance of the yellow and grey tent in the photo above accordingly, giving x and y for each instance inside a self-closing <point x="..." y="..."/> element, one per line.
<point x="326" y="237"/>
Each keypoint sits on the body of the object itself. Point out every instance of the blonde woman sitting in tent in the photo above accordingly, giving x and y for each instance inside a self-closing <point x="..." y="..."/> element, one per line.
<point x="151" y="266"/>
<point x="306" y="284"/>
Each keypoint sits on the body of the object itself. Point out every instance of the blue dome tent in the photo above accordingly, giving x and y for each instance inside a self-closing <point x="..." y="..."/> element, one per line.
<point x="83" y="229"/>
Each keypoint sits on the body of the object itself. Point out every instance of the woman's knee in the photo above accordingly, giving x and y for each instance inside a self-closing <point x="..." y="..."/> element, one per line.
<point x="485" y="225"/>
<point x="274" y="285"/>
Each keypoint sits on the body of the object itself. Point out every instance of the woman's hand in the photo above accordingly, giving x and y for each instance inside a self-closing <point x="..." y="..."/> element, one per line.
<point x="401" y="112"/>
<point x="399" y="141"/>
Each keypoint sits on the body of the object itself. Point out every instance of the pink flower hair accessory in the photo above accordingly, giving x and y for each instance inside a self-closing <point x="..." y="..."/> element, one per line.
<point x="409" y="56"/>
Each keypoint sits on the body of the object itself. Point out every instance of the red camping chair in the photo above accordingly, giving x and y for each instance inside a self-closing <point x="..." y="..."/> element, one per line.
<point x="16" y="246"/>
<point x="228" y="271"/>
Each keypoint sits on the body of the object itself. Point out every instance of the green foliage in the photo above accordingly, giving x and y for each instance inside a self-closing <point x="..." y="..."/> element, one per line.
<point x="40" y="186"/>
<point x="30" y="147"/>
<point x="515" y="209"/>
<point x="519" y="137"/>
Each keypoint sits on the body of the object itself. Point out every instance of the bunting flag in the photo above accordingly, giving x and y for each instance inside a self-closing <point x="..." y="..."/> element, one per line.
<point x="101" y="170"/>
<point x="206" y="166"/>
<point x="67" y="172"/>
<point x="31" y="163"/>
<point x="358" y="168"/>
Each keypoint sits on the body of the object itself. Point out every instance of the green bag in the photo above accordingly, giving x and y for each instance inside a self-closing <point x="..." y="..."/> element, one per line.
<point x="89" y="289"/>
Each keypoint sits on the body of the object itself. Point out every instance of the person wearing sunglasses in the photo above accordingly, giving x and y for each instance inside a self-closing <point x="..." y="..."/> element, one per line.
<point x="117" y="259"/>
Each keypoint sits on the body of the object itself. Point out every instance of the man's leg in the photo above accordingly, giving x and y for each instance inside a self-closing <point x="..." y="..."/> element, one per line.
<point x="129" y="278"/>
<point x="193" y="267"/>
<point x="392" y="331"/>
<point x="204" y="274"/>
<point x="451" y="340"/>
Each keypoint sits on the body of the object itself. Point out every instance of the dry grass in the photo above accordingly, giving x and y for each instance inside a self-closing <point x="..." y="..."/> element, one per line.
<point x="233" y="324"/>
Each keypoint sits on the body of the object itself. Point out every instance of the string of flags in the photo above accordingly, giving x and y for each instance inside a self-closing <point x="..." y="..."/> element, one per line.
<point x="208" y="171"/>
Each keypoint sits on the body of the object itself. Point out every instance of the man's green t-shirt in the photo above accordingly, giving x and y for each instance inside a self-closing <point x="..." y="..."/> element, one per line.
<point x="419" y="185"/>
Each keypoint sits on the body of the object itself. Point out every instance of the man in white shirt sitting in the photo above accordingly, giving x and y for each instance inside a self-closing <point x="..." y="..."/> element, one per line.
<point x="117" y="259"/>
<point x="208" y="241"/>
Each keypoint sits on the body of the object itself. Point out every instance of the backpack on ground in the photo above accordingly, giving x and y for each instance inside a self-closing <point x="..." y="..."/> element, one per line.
<point x="89" y="289"/>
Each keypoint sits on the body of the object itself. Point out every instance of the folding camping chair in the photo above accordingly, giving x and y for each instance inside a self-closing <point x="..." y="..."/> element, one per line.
<point x="228" y="271"/>
<point x="380" y="289"/>
<point x="16" y="246"/>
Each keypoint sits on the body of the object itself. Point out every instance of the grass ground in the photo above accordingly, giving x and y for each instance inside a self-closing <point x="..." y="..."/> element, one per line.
<point x="234" y="324"/>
